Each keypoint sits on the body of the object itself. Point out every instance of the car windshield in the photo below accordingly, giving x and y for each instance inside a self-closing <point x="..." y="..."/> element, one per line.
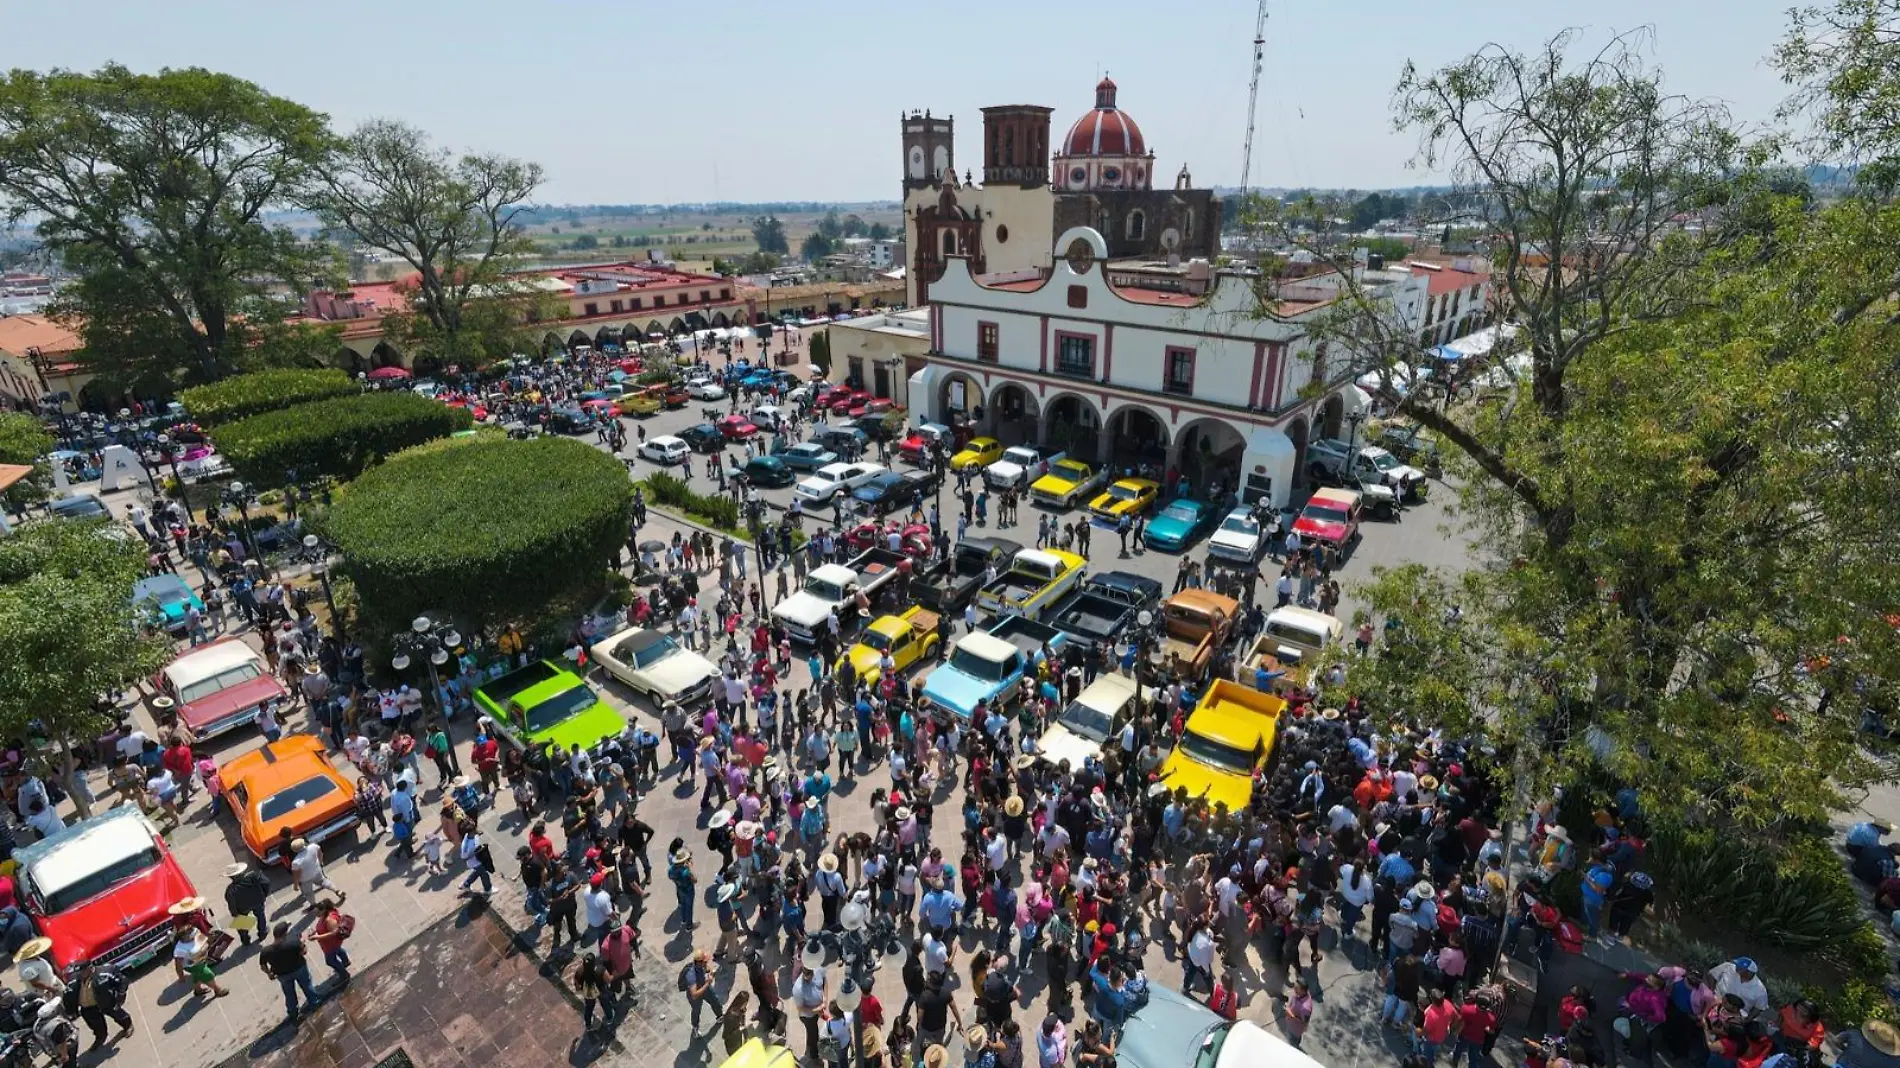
<point x="223" y="680"/>
<point x="1070" y="470"/>
<point x="1090" y="723"/>
<point x="284" y="802"/>
<point x="1385" y="461"/>
<point x="1124" y="493"/>
<point x="658" y="650"/>
<point x="1240" y="524"/>
<point x="1186" y="513"/>
<point x="561" y="706"/>
<point x="90" y="886"/>
<point x="1219" y="754"/>
<point x="824" y="589"/>
<point x="976" y="667"/>
<point x="1286" y="632"/>
<point x="875" y="640"/>
<point x="1209" y="1053"/>
<point x="1324" y="513"/>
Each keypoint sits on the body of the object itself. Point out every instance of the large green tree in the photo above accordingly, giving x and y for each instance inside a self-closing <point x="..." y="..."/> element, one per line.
<point x="1678" y="492"/>
<point x="69" y="633"/>
<point x="456" y="221"/>
<point x="159" y="189"/>
<point x="24" y="441"/>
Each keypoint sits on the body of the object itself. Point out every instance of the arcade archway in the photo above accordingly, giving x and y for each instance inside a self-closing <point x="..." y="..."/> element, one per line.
<point x="1209" y="455"/>
<point x="1329" y="423"/>
<point x="958" y="398"/>
<point x="1014" y="415"/>
<point x="1138" y="438"/>
<point x="1072" y="424"/>
<point x="1296" y="432"/>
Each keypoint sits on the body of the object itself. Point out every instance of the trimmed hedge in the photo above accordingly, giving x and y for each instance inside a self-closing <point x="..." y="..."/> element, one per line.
<point x="264" y="391"/>
<point x="714" y="510"/>
<point x="490" y="531"/>
<point x="340" y="437"/>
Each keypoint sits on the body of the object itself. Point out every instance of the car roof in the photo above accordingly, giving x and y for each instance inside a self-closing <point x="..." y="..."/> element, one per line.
<point x="1335" y="496"/>
<point x="1138" y="483"/>
<point x="987" y="646"/>
<point x="665" y="439"/>
<point x="835" y="472"/>
<point x="207" y="661"/>
<point x="292" y="758"/>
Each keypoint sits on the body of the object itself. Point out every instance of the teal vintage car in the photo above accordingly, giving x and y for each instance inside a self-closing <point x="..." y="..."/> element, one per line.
<point x="1179" y="525"/>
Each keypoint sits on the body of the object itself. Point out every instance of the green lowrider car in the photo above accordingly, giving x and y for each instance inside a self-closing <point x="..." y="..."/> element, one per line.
<point x="545" y="702"/>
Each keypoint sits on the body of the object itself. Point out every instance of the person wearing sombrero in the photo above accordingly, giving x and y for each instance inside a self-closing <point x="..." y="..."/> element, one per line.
<point x="191" y="948"/>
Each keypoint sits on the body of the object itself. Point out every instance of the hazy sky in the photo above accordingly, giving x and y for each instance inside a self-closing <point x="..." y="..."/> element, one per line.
<point x="640" y="102"/>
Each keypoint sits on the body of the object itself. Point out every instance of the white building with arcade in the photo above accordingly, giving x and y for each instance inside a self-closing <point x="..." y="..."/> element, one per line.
<point x="1214" y="386"/>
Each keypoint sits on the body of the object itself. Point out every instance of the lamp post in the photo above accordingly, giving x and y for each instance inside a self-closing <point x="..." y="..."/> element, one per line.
<point x="1144" y="624"/>
<point x="239" y="495"/>
<point x="432" y="642"/>
<point x="316" y="552"/>
<point x="168" y="448"/>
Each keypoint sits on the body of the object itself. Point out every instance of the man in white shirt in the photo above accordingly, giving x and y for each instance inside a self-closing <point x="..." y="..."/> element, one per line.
<point x="132" y="744"/>
<point x="1741" y="978"/>
<point x="306" y="870"/>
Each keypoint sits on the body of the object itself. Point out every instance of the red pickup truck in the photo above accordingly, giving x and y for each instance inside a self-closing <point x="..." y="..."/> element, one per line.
<point x="1331" y="516"/>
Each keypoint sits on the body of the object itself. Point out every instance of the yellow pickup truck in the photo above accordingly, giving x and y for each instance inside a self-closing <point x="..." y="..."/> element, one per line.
<point x="1035" y="581"/>
<point x="909" y="638"/>
<point x="1195" y="623"/>
<point x="1228" y="738"/>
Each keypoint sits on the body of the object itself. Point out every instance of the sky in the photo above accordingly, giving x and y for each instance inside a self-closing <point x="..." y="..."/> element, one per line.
<point x="637" y="102"/>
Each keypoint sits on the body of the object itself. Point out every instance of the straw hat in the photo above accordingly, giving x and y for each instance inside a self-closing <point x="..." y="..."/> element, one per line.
<point x="1879" y="1034"/>
<point x="977" y="1036"/>
<point x="234" y="870"/>
<point x="34" y="947"/>
<point x="1156" y="789"/>
<point x="311" y="668"/>
<point x="936" y="1057"/>
<point x="1025" y="762"/>
<point x="706" y="742"/>
<point x="727" y="892"/>
<point x="187" y="906"/>
<point x="1560" y="834"/>
<point x="720" y="818"/>
<point x="828" y="863"/>
<point x="745" y="830"/>
<point x="902" y="814"/>
<point x="1329" y="713"/>
<point x="680" y="855"/>
<point x="1013" y="806"/>
<point x="1428" y="782"/>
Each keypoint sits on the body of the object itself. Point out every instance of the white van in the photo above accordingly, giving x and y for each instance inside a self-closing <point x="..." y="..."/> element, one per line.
<point x="665" y="450"/>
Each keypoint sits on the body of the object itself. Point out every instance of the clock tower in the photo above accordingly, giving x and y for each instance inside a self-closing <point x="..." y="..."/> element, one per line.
<point x="929" y="149"/>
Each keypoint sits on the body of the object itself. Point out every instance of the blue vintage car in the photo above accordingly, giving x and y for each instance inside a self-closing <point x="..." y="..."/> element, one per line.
<point x="1179" y="525"/>
<point x="169" y="598"/>
<point x="988" y="667"/>
<point x="809" y="456"/>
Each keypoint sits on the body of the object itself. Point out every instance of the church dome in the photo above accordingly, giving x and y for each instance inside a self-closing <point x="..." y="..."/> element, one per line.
<point x="1105" y="131"/>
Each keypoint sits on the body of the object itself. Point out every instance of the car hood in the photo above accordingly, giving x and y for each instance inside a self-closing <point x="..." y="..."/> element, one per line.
<point x="954" y="690"/>
<point x="1059" y="743"/>
<point x="1168" y="528"/>
<point x="681" y="671"/>
<point x="232" y="699"/>
<point x="1315" y="528"/>
<point x="1113" y="506"/>
<point x="1203" y="781"/>
<point x="1239" y="544"/>
<point x="864" y="660"/>
<point x="137" y="904"/>
<point x="803" y="608"/>
<point x="584" y="728"/>
<point x="1005" y="469"/>
<point x="1166" y="1032"/>
<point x="1055" y="483"/>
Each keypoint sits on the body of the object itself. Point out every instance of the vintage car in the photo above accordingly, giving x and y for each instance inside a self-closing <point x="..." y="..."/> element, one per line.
<point x="286" y="790"/>
<point x="807" y="456"/>
<point x="665" y="449"/>
<point x="1035" y="581"/>
<point x="922" y="440"/>
<point x="990" y="667"/>
<point x="1067" y="482"/>
<point x="736" y="427"/>
<point x="768" y="471"/>
<point x="980" y="452"/>
<point x="909" y="638"/>
<point x="217" y="687"/>
<point x="653" y="663"/>
<point x="102" y="889"/>
<point x="704" y="437"/>
<point x="1130" y="497"/>
<point x="1179" y="525"/>
<point x="676" y="396"/>
<point x="706" y="390"/>
<point x="166" y="599"/>
<point x="1096" y="714"/>
<point x="547" y="702"/>
<point x="1331" y="516"/>
<point x="827" y="482"/>
<point x="1228" y="737"/>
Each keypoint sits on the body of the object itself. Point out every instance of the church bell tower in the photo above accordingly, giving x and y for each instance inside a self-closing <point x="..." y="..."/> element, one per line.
<point x="929" y="149"/>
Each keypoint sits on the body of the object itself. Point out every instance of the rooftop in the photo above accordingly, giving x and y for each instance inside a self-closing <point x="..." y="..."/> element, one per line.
<point x="21" y="332"/>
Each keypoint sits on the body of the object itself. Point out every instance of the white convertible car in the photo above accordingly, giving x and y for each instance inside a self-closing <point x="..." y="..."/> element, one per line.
<point x="659" y="667"/>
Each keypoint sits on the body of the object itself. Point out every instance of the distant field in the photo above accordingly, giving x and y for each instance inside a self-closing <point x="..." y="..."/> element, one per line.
<point x="683" y="236"/>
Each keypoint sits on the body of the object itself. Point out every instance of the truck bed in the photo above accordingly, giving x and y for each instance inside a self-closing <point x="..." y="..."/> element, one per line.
<point x="1091" y="616"/>
<point x="1026" y="634"/>
<point x="875" y="567"/>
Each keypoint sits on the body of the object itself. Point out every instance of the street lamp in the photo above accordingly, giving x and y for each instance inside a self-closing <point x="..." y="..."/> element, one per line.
<point x="239" y="495"/>
<point x="1144" y="624"/>
<point x="432" y="642"/>
<point x="316" y="552"/>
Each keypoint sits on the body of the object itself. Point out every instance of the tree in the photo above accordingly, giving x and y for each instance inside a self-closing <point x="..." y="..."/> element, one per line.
<point x="1844" y="62"/>
<point x="816" y="247"/>
<point x="879" y="232"/>
<point x="1684" y="573"/>
<point x="852" y="226"/>
<point x="819" y="352"/>
<point x="69" y="634"/>
<point x="830" y="226"/>
<point x="769" y="234"/>
<point x="24" y="441"/>
<point x="759" y="263"/>
<point x="1391" y="248"/>
<point x="455" y="221"/>
<point x="157" y="187"/>
<point x="587" y="242"/>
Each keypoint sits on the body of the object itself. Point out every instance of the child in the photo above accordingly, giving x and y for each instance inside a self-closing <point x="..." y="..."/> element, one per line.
<point x="1225" y="999"/>
<point x="432" y="851"/>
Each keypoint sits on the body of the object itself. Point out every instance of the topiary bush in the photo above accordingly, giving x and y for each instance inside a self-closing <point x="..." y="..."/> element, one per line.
<point x="340" y="437"/>
<point x="671" y="491"/>
<point x="264" y="391"/>
<point x="489" y="531"/>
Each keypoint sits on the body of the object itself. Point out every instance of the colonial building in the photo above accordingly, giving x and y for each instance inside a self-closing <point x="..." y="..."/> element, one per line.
<point x="1103" y="178"/>
<point x="1225" y="386"/>
<point x="881" y="351"/>
<point x="39" y="365"/>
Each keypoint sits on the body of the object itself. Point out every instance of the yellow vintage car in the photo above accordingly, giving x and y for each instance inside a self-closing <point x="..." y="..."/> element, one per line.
<point x="643" y="402"/>
<point x="980" y="452"/>
<point x="1067" y="481"/>
<point x="1130" y="497"/>
<point x="910" y="638"/>
<point x="1228" y="738"/>
<point x="758" y="1053"/>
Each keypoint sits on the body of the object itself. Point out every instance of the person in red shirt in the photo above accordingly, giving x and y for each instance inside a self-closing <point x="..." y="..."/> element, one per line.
<point x="1436" y="1024"/>
<point x="177" y="759"/>
<point x="539" y="842"/>
<point x="1476" y="1021"/>
<point x="487" y="756"/>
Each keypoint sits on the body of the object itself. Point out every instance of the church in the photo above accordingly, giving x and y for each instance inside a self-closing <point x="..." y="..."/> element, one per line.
<point x="1101" y="176"/>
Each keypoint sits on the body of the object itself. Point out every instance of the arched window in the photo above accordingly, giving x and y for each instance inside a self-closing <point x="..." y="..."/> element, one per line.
<point x="1137" y="225"/>
<point x="949" y="242"/>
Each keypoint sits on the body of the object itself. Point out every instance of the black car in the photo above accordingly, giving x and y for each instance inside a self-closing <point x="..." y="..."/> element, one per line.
<point x="767" y="471"/>
<point x="703" y="438"/>
<point x="570" y="421"/>
<point x="895" y="489"/>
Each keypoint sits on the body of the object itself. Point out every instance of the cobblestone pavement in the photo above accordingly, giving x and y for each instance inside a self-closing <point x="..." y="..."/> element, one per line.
<point x="413" y="920"/>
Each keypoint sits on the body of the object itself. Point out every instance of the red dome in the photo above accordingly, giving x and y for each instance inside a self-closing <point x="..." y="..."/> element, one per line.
<point x="1105" y="131"/>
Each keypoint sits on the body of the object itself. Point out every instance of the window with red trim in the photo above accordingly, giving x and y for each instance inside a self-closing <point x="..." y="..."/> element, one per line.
<point x="988" y="342"/>
<point x="1180" y="372"/>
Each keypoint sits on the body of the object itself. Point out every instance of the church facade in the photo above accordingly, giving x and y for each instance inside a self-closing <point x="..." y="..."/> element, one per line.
<point x="1100" y="175"/>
